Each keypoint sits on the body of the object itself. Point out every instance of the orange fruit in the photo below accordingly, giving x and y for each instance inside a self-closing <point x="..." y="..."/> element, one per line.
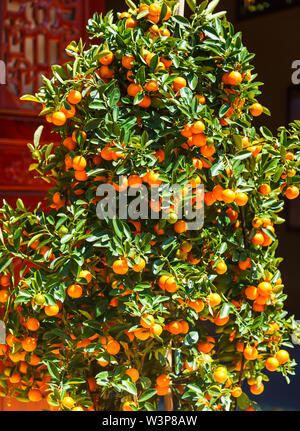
<point x="142" y="334"/>
<point x="120" y="266"/>
<point x="147" y="321"/>
<point x="105" y="72"/>
<point x="59" y="118"/>
<point x="179" y="83"/>
<point x="220" y="375"/>
<point x="163" y="380"/>
<point x="79" y="163"/>
<point x="264" y="288"/>
<point x="221" y="267"/>
<point x="138" y="267"/>
<point x="282" y="356"/>
<point x="86" y="275"/>
<point x="236" y="391"/>
<point x="156" y="329"/>
<point x="134" y="89"/>
<point x="251" y="292"/>
<point x="29" y="344"/>
<point x="213" y="299"/>
<point x="68" y="402"/>
<point x="264" y="189"/>
<point x="4" y="295"/>
<point x="250" y="353"/>
<point x="241" y="199"/>
<point x="272" y="364"/>
<point x="228" y="196"/>
<point x="51" y="310"/>
<point x="133" y="374"/>
<point x="198" y="127"/>
<point x="174" y="327"/>
<point x="127" y="61"/>
<point x="206" y="346"/>
<point x="221" y="321"/>
<point x="292" y="192"/>
<point x="162" y="390"/>
<point x="32" y="324"/>
<point x="197" y="305"/>
<point x="256" y="109"/>
<point x="34" y="395"/>
<point x="107" y="59"/>
<point x="131" y="23"/>
<point x="74" y="291"/>
<point x="234" y="78"/>
<point x="199" y="140"/>
<point x="74" y="97"/>
<point x="127" y="406"/>
<point x="257" y="390"/>
<point x="146" y="102"/>
<point x="113" y="347"/>
<point x="258" y="238"/>
<point x="180" y="226"/>
<point x="151" y="86"/>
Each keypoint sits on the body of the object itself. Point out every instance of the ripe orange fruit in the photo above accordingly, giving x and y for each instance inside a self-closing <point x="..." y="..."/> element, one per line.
<point x="258" y="238"/>
<point x="236" y="391"/>
<point x="197" y="305"/>
<point x="180" y="226"/>
<point x="138" y="267"/>
<point x="131" y="23"/>
<point x="127" y="61"/>
<point x="163" y="380"/>
<point x="86" y="275"/>
<point x="228" y="196"/>
<point x="241" y="199"/>
<point x="68" y="402"/>
<point x="79" y="163"/>
<point x="106" y="73"/>
<point x="206" y="346"/>
<point x="34" y="395"/>
<point x="146" y="102"/>
<point x="59" y="118"/>
<point x="74" y="291"/>
<point x="272" y="364"/>
<point x="162" y="390"/>
<point x="29" y="344"/>
<point x="32" y="324"/>
<point x="264" y="189"/>
<point x="179" y="83"/>
<point x="113" y="347"/>
<point x="220" y="321"/>
<point x="51" y="310"/>
<point x="220" y="375"/>
<point x="120" y="266"/>
<point x="170" y="285"/>
<point x="201" y="99"/>
<point x="15" y="378"/>
<point x="243" y="265"/>
<point x="75" y="134"/>
<point x="221" y="267"/>
<point x="107" y="59"/>
<point x="250" y="353"/>
<point x="142" y="334"/>
<point x="133" y="374"/>
<point x="74" y="97"/>
<point x="198" y="127"/>
<point x="4" y="295"/>
<point x="127" y="406"/>
<point x="134" y="89"/>
<point x="234" y="78"/>
<point x="213" y="299"/>
<point x="174" y="327"/>
<point x="199" y="140"/>
<point x="282" y="356"/>
<point x="156" y="329"/>
<point x="147" y="321"/>
<point x="151" y="86"/>
<point x="5" y="281"/>
<point x="81" y="175"/>
<point x="257" y="390"/>
<point x="292" y="192"/>
<point x="256" y="109"/>
<point x="251" y="292"/>
<point x="264" y="288"/>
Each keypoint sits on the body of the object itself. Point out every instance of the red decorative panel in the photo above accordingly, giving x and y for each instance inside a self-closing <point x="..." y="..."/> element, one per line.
<point x="34" y="36"/>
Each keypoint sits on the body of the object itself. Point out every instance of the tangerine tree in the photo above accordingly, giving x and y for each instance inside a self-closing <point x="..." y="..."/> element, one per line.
<point x="112" y="313"/>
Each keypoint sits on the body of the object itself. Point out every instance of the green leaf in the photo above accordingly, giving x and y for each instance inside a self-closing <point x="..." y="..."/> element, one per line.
<point x="243" y="401"/>
<point x="37" y="136"/>
<point x="225" y="310"/>
<point x="149" y="393"/>
<point x="192" y="4"/>
<point x="191" y="338"/>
